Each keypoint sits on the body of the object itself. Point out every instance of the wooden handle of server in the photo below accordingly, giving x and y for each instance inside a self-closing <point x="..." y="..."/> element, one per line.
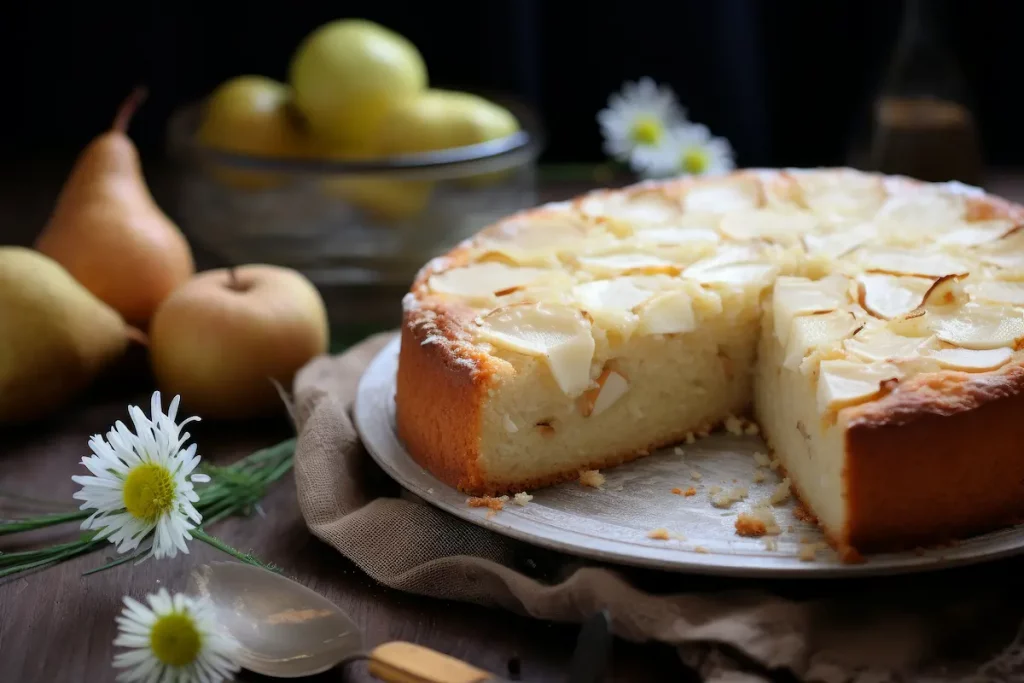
<point x="400" y="662"/>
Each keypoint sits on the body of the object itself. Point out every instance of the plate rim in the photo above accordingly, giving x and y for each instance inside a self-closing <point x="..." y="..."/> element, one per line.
<point x="378" y="381"/>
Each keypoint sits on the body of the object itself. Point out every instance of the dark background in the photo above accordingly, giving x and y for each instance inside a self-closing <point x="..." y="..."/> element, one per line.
<point x="782" y="79"/>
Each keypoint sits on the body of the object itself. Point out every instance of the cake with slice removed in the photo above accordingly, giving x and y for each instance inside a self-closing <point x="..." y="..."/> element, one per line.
<point x="870" y="324"/>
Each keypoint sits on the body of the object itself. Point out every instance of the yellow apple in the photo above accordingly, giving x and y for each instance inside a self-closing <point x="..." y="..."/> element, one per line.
<point x="347" y="73"/>
<point x="220" y="338"/>
<point x="254" y="116"/>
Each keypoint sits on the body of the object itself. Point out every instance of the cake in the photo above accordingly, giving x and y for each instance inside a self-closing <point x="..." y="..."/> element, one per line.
<point x="871" y="326"/>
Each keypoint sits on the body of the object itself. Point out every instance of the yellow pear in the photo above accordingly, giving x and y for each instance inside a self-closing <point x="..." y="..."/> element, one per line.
<point x="108" y="232"/>
<point x="254" y="116"/>
<point x="55" y="336"/>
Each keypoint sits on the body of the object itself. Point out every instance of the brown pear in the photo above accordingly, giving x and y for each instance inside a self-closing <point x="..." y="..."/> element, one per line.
<point x="109" y="233"/>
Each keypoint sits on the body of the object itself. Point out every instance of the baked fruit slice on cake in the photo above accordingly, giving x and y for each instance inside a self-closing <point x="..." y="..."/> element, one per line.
<point x="870" y="324"/>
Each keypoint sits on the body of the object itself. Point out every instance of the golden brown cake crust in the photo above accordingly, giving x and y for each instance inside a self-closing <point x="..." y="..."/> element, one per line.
<point x="939" y="458"/>
<point x="441" y="387"/>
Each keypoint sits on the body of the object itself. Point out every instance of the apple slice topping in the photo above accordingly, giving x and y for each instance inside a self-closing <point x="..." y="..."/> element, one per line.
<point x="558" y="334"/>
<point x="976" y="326"/>
<point x="616" y="264"/>
<point x="843" y="383"/>
<point x="879" y="343"/>
<point x="724" y="196"/>
<point x="667" y="313"/>
<point x="794" y="296"/>
<point x="611" y="302"/>
<point x="840" y="243"/>
<point x="976" y="233"/>
<point x="888" y="296"/>
<point x="811" y="332"/>
<point x="924" y="210"/>
<point x="971" y="360"/>
<point x="998" y="291"/>
<point x="842" y="197"/>
<point x="481" y="282"/>
<point x="670" y="236"/>
<point x="895" y="261"/>
<point x="611" y="386"/>
<point x="945" y="291"/>
<point x="636" y="208"/>
<point x="733" y="265"/>
<point x="767" y="224"/>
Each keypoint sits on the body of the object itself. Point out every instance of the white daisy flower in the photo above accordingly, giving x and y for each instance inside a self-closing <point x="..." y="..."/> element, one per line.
<point x="686" y="150"/>
<point x="174" y="640"/>
<point x="142" y="482"/>
<point x="638" y="118"/>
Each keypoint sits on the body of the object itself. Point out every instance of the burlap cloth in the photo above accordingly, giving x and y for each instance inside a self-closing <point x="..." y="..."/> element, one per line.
<point x="957" y="625"/>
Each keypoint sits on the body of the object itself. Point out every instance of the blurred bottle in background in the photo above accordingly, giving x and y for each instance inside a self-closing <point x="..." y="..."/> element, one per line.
<point x="920" y="122"/>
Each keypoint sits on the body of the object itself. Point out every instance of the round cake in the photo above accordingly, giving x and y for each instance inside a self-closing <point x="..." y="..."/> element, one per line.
<point x="871" y="326"/>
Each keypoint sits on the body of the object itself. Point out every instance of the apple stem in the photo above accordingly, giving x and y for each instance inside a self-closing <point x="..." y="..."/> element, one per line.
<point x="128" y="108"/>
<point x="233" y="281"/>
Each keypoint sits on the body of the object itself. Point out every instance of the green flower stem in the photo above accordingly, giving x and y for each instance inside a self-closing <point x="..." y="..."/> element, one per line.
<point x="14" y="526"/>
<point x="234" y="489"/>
<point x="201" y="535"/>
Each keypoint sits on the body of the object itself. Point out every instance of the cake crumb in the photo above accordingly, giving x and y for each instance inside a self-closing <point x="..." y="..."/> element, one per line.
<point x="803" y="514"/>
<point x="751" y="429"/>
<point x="522" y="498"/>
<point x="774" y="464"/>
<point x="678" y="491"/>
<point x="807" y="553"/>
<point x="700" y="549"/>
<point x="714" y="489"/>
<point x="691" y="439"/>
<point x="494" y="504"/>
<point x="759" y="477"/>
<point x="771" y="544"/>
<point x="591" y="478"/>
<point x="725" y="498"/>
<point x="781" y="493"/>
<point x="695" y="475"/>
<point x="690" y="492"/>
<point x="762" y="459"/>
<point x="734" y="425"/>
<point x="659" y="534"/>
<point x="748" y="525"/>
<point x="430" y="491"/>
<point x="678" y="450"/>
<point x="760" y="521"/>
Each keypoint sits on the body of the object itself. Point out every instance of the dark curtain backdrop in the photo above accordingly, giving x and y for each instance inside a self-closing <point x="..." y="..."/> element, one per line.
<point x="782" y="79"/>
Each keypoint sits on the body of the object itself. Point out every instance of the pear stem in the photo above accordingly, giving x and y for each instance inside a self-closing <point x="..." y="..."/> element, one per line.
<point x="128" y="108"/>
<point x="137" y="336"/>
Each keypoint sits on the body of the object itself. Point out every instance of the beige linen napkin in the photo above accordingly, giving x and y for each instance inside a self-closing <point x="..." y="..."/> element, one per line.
<point x="950" y="626"/>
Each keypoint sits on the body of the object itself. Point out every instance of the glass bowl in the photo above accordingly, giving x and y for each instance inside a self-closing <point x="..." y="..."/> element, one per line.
<point x="358" y="229"/>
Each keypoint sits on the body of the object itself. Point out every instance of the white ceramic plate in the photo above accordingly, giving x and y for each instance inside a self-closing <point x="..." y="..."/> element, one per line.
<point x="612" y="523"/>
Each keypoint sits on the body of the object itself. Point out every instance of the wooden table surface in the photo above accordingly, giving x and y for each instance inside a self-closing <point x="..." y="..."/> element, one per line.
<point x="56" y="625"/>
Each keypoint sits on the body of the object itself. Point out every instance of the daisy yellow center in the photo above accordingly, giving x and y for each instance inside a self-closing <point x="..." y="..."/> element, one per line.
<point x="695" y="160"/>
<point x="174" y="639"/>
<point x="149" y="492"/>
<point x="647" y="130"/>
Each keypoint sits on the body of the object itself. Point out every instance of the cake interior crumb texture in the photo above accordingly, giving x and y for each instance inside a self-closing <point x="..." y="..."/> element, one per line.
<point x="869" y="326"/>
